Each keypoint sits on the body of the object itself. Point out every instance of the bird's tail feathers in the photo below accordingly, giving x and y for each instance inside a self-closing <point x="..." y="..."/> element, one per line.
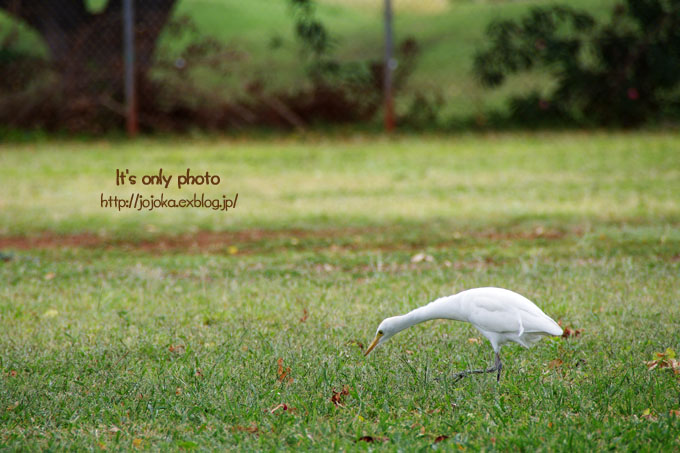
<point x="555" y="329"/>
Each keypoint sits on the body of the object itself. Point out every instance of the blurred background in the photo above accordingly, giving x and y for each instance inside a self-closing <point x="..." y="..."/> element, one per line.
<point x="96" y="66"/>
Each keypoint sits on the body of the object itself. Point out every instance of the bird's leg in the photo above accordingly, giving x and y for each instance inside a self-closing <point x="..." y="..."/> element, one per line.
<point x="498" y="365"/>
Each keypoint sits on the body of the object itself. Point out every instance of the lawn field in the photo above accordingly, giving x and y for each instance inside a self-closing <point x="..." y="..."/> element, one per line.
<point x="191" y="329"/>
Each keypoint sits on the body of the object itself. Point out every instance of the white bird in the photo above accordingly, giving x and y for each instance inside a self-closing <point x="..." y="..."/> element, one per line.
<point x="499" y="314"/>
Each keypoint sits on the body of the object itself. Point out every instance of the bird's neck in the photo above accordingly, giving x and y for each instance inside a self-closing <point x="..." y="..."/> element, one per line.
<point x="443" y="308"/>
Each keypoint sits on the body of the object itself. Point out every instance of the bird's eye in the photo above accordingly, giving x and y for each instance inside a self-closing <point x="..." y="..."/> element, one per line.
<point x="380" y="332"/>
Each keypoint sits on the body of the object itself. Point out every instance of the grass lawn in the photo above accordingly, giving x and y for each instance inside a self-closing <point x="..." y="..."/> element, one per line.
<point x="192" y="329"/>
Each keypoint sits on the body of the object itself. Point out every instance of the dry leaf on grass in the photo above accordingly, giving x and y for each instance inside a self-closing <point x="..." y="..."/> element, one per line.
<point x="664" y="359"/>
<point x="649" y="415"/>
<point x="420" y="257"/>
<point x="555" y="363"/>
<point x="176" y="348"/>
<point x="305" y="315"/>
<point x="282" y="372"/>
<point x="357" y="343"/>
<point x="13" y="406"/>
<point x="440" y="438"/>
<point x="252" y="428"/>
<point x="338" y="396"/>
<point x="569" y="332"/>
<point x="372" y="439"/>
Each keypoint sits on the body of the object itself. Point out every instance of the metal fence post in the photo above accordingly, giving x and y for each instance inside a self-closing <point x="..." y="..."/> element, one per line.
<point x="129" y="52"/>
<point x="389" y="66"/>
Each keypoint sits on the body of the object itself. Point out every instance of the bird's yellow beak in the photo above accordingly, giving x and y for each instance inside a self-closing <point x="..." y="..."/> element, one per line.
<point x="374" y="344"/>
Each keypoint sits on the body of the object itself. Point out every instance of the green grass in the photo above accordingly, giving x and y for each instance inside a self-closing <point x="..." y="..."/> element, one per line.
<point x="115" y="346"/>
<point x="552" y="179"/>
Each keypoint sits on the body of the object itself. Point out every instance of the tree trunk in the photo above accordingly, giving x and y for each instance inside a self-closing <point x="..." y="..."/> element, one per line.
<point x="86" y="48"/>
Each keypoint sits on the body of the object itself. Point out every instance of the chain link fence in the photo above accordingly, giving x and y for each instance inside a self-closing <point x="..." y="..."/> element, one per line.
<point x="224" y="65"/>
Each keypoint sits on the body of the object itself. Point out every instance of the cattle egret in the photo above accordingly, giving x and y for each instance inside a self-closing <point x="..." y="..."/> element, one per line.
<point x="499" y="314"/>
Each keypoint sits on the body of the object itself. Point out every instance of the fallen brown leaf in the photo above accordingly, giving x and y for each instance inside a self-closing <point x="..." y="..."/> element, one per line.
<point x="440" y="438"/>
<point x="282" y="372"/>
<point x="252" y="429"/>
<point x="664" y="359"/>
<point x="176" y="348"/>
<point x="372" y="439"/>
<point x="337" y="396"/>
<point x="305" y="315"/>
<point x="673" y="364"/>
<point x="648" y="415"/>
<point x="358" y="343"/>
<point x="50" y="275"/>
<point x="420" y="257"/>
<point x="569" y="332"/>
<point x="555" y="363"/>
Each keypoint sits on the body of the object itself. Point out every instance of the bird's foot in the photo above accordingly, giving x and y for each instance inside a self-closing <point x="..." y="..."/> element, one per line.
<point x="462" y="374"/>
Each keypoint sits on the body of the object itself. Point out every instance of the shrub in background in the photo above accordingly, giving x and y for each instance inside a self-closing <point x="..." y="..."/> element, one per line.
<point x="621" y="73"/>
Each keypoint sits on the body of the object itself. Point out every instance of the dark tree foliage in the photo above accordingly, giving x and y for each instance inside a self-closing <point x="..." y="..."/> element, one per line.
<point x="309" y="29"/>
<point x="623" y="72"/>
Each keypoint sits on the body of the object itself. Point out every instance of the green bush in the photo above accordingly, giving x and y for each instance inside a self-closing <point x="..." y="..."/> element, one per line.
<point x="621" y="73"/>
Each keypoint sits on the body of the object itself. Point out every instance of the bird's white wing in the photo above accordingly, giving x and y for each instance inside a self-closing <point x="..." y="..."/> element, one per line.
<point x="499" y="310"/>
<point x="509" y="298"/>
<point x="493" y="315"/>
